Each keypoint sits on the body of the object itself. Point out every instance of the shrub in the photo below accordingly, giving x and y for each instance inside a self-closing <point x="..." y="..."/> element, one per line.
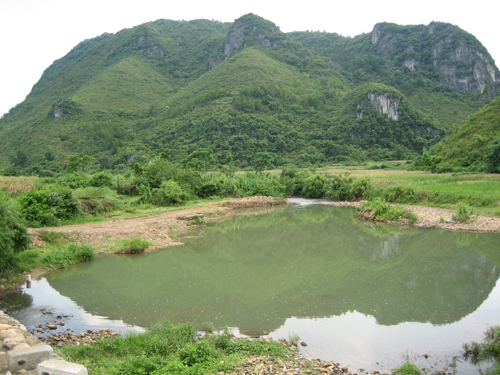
<point x="314" y="186"/>
<point x="135" y="245"/>
<point x="45" y="207"/>
<point x="384" y="211"/>
<point x="101" y="179"/>
<point x="169" y="193"/>
<point x="339" y="188"/>
<point x="486" y="351"/>
<point x="407" y="368"/>
<point x="464" y="212"/>
<point x="14" y="237"/>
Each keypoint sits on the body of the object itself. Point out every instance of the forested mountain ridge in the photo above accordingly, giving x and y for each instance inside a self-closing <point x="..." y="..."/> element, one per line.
<point x="247" y="90"/>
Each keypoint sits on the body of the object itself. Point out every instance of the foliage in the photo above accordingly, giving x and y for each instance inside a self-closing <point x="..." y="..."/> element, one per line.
<point x="384" y="211"/>
<point x="134" y="245"/>
<point x="272" y="99"/>
<point x="65" y="255"/>
<point x="488" y="350"/>
<point x="407" y="368"/>
<point x="473" y="145"/>
<point x="14" y="237"/>
<point x="47" y="206"/>
<point x="464" y="212"/>
<point x="170" y="348"/>
<point x="493" y="157"/>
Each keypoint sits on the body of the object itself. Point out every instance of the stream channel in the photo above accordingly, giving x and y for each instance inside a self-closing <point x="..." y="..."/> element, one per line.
<point x="363" y="294"/>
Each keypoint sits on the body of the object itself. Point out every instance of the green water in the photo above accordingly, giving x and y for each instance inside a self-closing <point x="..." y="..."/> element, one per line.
<point x="297" y="266"/>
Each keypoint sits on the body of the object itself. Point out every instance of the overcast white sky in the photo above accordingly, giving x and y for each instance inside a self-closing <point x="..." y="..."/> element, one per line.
<point x="34" y="33"/>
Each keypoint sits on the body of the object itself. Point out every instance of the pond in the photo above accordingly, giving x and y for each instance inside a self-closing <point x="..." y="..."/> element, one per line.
<point x="362" y="294"/>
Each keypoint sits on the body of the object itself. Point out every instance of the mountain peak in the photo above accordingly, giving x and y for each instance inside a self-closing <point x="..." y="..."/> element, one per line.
<point x="247" y="31"/>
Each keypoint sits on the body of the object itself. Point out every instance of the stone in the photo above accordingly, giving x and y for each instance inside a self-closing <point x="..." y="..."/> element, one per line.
<point x="9" y="333"/>
<point x="12" y="342"/>
<point x="28" y="358"/>
<point x="60" y="367"/>
<point x="3" y="327"/>
<point x="3" y="362"/>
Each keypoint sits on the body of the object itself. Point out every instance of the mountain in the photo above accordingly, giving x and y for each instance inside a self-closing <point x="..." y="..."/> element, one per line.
<point x="246" y="88"/>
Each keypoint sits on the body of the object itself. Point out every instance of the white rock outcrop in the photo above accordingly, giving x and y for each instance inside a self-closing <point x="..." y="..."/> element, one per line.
<point x="385" y="104"/>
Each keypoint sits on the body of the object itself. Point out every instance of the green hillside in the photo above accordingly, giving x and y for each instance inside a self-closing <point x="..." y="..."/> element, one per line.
<point x="247" y="90"/>
<point x="468" y="145"/>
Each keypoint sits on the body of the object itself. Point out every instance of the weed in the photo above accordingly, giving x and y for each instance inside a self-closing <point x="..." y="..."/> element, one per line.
<point x="294" y="338"/>
<point x="407" y="368"/>
<point x="464" y="213"/>
<point x="486" y="351"/>
<point x="53" y="237"/>
<point x="198" y="221"/>
<point x="207" y="327"/>
<point x="134" y="245"/>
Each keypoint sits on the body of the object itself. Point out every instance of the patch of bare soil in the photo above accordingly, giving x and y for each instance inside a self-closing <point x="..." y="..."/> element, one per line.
<point x="430" y="217"/>
<point x="158" y="229"/>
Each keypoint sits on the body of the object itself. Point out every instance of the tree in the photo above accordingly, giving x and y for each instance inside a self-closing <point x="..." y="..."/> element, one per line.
<point x="200" y="160"/>
<point x="493" y="157"/>
<point x="13" y="234"/>
<point x="78" y="163"/>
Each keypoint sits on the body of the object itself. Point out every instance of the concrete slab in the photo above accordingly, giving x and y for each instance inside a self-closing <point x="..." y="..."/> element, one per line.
<point x="60" y="367"/>
<point x="28" y="358"/>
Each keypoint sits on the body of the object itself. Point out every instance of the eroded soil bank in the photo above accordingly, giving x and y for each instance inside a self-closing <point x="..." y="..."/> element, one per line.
<point x="158" y="229"/>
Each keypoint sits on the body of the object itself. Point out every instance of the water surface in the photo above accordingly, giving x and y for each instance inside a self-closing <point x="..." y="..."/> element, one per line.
<point x="356" y="293"/>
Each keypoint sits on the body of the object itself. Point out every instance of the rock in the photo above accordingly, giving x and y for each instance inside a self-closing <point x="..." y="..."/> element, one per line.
<point x="28" y="358"/>
<point x="345" y="368"/>
<point x="3" y="361"/>
<point x="62" y="324"/>
<point x="3" y="327"/>
<point x="60" y="367"/>
<point x="9" y="333"/>
<point x="11" y="342"/>
<point x="52" y="326"/>
<point x="303" y="343"/>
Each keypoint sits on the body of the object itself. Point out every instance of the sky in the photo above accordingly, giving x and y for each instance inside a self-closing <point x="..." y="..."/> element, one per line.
<point x="34" y="33"/>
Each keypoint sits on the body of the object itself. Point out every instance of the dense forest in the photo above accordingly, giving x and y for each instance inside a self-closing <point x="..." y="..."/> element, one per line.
<point x="249" y="95"/>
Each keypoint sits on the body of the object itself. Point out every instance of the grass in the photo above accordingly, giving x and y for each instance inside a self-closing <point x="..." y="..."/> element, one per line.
<point x="17" y="183"/>
<point x="407" y="368"/>
<point x="133" y="245"/>
<point x="384" y="211"/>
<point x="171" y="348"/>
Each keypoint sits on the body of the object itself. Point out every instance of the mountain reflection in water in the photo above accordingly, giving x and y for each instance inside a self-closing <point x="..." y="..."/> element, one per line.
<point x="294" y="266"/>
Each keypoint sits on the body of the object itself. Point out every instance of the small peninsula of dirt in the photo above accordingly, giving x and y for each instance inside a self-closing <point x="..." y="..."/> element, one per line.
<point x="431" y="217"/>
<point x="158" y="229"/>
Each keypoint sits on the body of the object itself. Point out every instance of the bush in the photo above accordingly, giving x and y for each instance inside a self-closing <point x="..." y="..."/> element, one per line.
<point x="384" y="211"/>
<point x="45" y="207"/>
<point x="169" y="193"/>
<point x="407" y="369"/>
<point x="135" y="245"/>
<point x="464" y="212"/>
<point x="14" y="237"/>
<point x="314" y="186"/>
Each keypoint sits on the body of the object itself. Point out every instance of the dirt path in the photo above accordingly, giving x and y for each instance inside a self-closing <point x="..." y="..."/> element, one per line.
<point x="430" y="217"/>
<point x="158" y="229"/>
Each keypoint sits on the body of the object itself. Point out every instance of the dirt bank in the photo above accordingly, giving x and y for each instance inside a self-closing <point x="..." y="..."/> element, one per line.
<point x="158" y="229"/>
<point x="430" y="217"/>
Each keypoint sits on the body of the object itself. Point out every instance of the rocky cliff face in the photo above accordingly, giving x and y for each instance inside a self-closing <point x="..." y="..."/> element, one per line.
<point x="382" y="103"/>
<point x="462" y="63"/>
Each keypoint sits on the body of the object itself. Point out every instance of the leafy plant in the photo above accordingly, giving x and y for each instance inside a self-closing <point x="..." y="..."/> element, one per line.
<point x="135" y="245"/>
<point x="407" y="368"/>
<point x="464" y="213"/>
<point x="486" y="351"/>
<point x="384" y="211"/>
<point x="14" y="237"/>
